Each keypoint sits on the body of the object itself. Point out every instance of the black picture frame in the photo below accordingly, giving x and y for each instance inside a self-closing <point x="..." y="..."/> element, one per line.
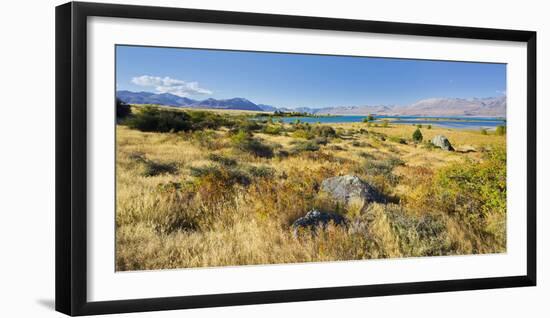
<point x="71" y="157"/>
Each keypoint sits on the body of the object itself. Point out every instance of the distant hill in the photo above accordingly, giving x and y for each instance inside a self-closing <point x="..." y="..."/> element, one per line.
<point x="174" y="100"/>
<point x="490" y="106"/>
<point x="493" y="106"/>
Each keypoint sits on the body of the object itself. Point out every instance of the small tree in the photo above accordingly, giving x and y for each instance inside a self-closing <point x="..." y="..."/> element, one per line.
<point x="417" y="135"/>
<point x="385" y="123"/>
<point x="483" y="131"/>
<point x="429" y="127"/>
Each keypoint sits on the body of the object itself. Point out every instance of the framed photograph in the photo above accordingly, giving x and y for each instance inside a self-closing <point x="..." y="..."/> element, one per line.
<point x="209" y="158"/>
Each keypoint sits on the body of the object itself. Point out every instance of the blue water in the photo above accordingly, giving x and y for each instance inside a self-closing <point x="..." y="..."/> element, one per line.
<point x="445" y="122"/>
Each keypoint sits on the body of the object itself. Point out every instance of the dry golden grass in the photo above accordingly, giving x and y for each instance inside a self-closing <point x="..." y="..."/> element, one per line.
<point x="168" y="218"/>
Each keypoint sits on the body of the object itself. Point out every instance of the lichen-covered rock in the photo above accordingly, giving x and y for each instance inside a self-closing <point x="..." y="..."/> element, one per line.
<point x="314" y="220"/>
<point x="349" y="188"/>
<point x="442" y="142"/>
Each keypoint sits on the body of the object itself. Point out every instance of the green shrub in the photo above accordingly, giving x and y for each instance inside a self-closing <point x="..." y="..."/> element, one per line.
<point x="417" y="135"/>
<point x="304" y="146"/>
<point x="261" y="171"/>
<point x="301" y="133"/>
<point x="245" y="142"/>
<point x="475" y="194"/>
<point x="221" y="175"/>
<point x="483" y="131"/>
<point x="382" y="168"/>
<point x="207" y="139"/>
<point x="385" y="123"/>
<point x="249" y="125"/>
<point x="398" y="140"/>
<point x="500" y="130"/>
<point x="325" y="131"/>
<point x="429" y="127"/>
<point x="151" y="119"/>
<point x="272" y="129"/>
<point x="226" y="161"/>
<point x="153" y="168"/>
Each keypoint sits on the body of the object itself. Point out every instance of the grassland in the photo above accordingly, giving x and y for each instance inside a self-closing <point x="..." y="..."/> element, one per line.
<point x="223" y="189"/>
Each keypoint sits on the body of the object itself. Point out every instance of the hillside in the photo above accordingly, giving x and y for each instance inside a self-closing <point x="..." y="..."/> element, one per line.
<point x="490" y="106"/>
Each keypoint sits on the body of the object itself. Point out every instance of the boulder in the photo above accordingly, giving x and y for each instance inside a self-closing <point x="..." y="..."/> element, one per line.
<point x="442" y="142"/>
<point x="314" y="220"/>
<point x="348" y="189"/>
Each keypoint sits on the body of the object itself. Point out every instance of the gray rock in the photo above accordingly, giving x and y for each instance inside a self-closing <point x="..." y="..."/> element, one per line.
<point x="349" y="188"/>
<point x="314" y="220"/>
<point x="442" y="142"/>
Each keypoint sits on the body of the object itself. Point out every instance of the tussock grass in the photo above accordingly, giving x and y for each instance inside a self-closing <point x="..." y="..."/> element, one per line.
<point x="228" y="193"/>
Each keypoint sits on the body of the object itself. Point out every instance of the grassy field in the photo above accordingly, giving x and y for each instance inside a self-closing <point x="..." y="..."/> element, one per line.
<point x="217" y="189"/>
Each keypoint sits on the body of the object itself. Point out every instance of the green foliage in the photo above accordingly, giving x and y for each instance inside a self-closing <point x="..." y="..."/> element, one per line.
<point x="244" y="141"/>
<point x="301" y="133"/>
<point x="417" y="135"/>
<point x="325" y="131"/>
<point x="419" y="126"/>
<point x="483" y="131"/>
<point x="151" y="168"/>
<point x="223" y="176"/>
<point x="419" y="235"/>
<point x="306" y="131"/>
<point x="475" y="192"/>
<point x="429" y="127"/>
<point x="385" y="123"/>
<point x="207" y="139"/>
<point x="123" y="110"/>
<point x="226" y="161"/>
<point x="381" y="171"/>
<point x="248" y="125"/>
<point x="273" y="129"/>
<point x="500" y="130"/>
<point x="398" y="140"/>
<point x="152" y="119"/>
<point x="261" y="171"/>
<point x="303" y="146"/>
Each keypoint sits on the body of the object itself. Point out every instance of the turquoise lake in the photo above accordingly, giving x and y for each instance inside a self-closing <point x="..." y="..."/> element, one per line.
<point x="445" y="122"/>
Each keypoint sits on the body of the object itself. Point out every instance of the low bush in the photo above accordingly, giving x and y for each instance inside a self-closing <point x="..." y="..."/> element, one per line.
<point x="324" y="131"/>
<point x="301" y="133"/>
<point x="273" y="129"/>
<point x="152" y="168"/>
<point x="207" y="139"/>
<point x="304" y="146"/>
<point x="151" y="119"/>
<point x="225" y="177"/>
<point x="474" y="195"/>
<point x="398" y="140"/>
<point x="226" y="161"/>
<point x="261" y="171"/>
<point x="244" y="141"/>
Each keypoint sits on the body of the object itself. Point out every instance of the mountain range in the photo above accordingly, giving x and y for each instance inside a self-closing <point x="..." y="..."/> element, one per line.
<point x="490" y="106"/>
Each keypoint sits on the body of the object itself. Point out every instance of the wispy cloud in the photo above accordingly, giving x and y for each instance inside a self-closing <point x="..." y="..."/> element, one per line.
<point x="171" y="85"/>
<point x="501" y="92"/>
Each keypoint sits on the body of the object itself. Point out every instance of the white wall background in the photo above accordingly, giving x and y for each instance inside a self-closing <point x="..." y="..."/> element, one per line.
<point x="27" y="158"/>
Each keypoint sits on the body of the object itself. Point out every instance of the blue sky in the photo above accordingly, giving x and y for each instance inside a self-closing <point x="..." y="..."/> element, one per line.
<point x="297" y="80"/>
